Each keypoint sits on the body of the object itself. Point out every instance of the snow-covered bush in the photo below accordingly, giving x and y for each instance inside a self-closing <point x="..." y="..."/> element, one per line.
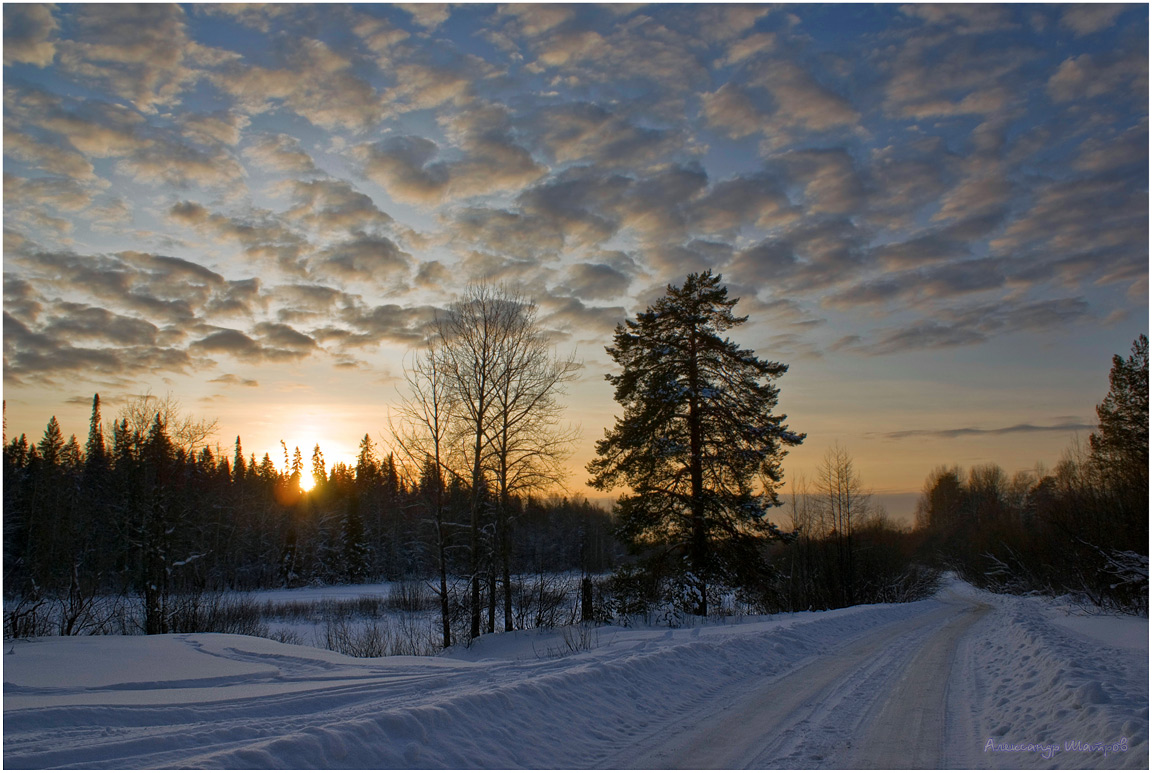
<point x="412" y="595"/>
<point x="216" y="613"/>
<point x="26" y="617"/>
<point x="400" y="634"/>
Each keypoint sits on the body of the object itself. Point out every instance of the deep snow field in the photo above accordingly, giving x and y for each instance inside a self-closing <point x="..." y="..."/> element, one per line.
<point x="1035" y="683"/>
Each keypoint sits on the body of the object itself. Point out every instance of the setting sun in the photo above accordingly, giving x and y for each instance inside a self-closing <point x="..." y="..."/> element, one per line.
<point x="528" y="341"/>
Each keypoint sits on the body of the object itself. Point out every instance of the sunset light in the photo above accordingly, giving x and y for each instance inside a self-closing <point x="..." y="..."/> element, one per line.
<point x="935" y="215"/>
<point x="593" y="386"/>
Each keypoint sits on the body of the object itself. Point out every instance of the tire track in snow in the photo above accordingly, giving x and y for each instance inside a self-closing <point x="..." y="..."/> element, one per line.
<point x="810" y="716"/>
<point x="910" y="730"/>
<point x="611" y="707"/>
<point x="603" y="698"/>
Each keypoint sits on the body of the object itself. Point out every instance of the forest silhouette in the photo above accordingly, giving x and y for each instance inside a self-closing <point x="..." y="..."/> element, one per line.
<point x="463" y="498"/>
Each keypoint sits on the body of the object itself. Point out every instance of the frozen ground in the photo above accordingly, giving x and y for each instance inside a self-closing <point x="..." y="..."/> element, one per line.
<point x="966" y="679"/>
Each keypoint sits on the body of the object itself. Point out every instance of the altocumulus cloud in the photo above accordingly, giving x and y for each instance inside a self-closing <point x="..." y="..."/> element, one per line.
<point x="292" y="182"/>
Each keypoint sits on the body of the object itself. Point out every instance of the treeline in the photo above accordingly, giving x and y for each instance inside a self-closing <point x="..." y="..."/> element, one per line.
<point x="149" y="513"/>
<point x="1080" y="528"/>
<point x="146" y="514"/>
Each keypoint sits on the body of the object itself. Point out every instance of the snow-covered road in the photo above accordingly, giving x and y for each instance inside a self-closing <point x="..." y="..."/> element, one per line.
<point x="965" y="679"/>
<point x="876" y="702"/>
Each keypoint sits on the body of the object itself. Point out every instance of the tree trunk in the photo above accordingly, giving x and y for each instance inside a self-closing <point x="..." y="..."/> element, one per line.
<point x="492" y="597"/>
<point x="508" y="624"/>
<point x="586" y="611"/>
<point x="699" y="548"/>
<point x="445" y="612"/>
<point x="442" y="555"/>
<point x="505" y="548"/>
<point x="474" y="557"/>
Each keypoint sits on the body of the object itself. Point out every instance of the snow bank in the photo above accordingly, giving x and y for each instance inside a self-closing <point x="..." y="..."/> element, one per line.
<point x="1117" y="631"/>
<point x="520" y="700"/>
<point x="539" y="699"/>
<point x="1055" y="690"/>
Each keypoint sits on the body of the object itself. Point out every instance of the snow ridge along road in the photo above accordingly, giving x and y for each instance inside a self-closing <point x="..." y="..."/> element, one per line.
<point x="911" y="685"/>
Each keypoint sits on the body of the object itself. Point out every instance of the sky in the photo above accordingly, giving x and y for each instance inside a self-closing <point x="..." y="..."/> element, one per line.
<point x="936" y="215"/>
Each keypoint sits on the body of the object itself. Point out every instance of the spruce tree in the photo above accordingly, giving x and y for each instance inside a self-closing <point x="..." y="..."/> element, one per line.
<point x="698" y="444"/>
<point x="95" y="454"/>
<point x="367" y="467"/>
<point x="297" y="467"/>
<point x="16" y="453"/>
<point x="239" y="468"/>
<point x="1122" y="441"/>
<point x="319" y="475"/>
<point x="97" y="538"/>
<point x="124" y="446"/>
<point x="52" y="444"/>
<point x="355" y="552"/>
<point x="71" y="458"/>
<point x="1120" y="447"/>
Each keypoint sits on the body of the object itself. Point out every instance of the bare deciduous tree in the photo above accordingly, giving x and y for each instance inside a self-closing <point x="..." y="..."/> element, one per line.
<point x="527" y="444"/>
<point x="184" y="430"/>
<point x="483" y="398"/>
<point x="472" y="333"/>
<point x="843" y="505"/>
<point x="422" y="435"/>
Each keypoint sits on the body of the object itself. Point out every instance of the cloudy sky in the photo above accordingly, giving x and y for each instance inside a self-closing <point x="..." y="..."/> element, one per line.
<point x="937" y="215"/>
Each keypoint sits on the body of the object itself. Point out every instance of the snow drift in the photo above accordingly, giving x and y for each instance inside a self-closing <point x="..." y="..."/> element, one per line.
<point x="545" y="699"/>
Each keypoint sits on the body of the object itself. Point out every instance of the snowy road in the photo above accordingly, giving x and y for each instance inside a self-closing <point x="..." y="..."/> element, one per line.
<point x="878" y="701"/>
<point x="963" y="680"/>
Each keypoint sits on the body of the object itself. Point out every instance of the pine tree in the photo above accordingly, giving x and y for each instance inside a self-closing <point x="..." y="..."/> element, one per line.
<point x="698" y="443"/>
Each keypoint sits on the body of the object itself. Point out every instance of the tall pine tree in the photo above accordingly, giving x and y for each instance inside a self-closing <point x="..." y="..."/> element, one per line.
<point x="698" y="443"/>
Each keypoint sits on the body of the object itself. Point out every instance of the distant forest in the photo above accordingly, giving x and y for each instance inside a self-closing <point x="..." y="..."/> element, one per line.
<point x="144" y="512"/>
<point x="147" y="512"/>
<point x="1079" y="528"/>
